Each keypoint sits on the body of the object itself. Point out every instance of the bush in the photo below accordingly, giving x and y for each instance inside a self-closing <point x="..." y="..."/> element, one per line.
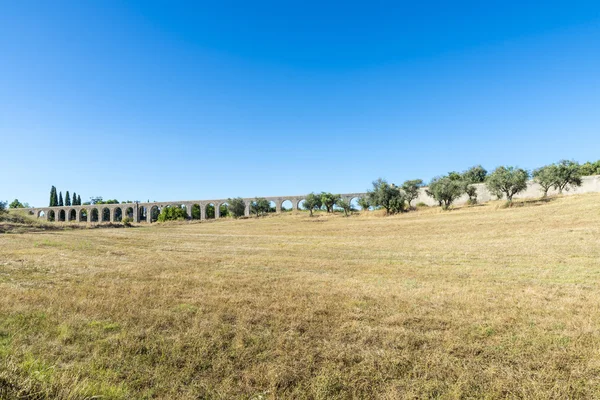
<point x="172" y="214"/>
<point x="237" y="207"/>
<point x="3" y="207"/>
<point x="127" y="221"/>
<point x="421" y="205"/>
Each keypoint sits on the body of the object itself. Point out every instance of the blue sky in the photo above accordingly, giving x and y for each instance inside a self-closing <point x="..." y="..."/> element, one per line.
<point x="146" y="100"/>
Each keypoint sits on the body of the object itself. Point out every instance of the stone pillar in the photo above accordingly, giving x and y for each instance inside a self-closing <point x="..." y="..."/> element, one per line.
<point x="78" y="215"/>
<point x="136" y="212"/>
<point x="149" y="214"/>
<point x="112" y="212"/>
<point x="189" y="208"/>
<point x="217" y="211"/>
<point x="247" y="209"/>
<point x="203" y="212"/>
<point x="278" y="205"/>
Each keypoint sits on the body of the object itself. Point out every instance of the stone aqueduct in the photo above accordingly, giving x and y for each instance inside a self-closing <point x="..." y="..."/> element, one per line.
<point x="142" y="212"/>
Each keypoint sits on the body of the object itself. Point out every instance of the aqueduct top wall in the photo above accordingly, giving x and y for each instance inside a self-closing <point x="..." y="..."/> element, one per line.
<point x="141" y="211"/>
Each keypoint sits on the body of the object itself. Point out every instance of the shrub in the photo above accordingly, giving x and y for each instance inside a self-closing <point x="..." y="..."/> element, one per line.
<point x="3" y="207"/>
<point x="508" y="181"/>
<point x="237" y="207"/>
<point x="127" y="221"/>
<point x="172" y="214"/>
<point x="421" y="205"/>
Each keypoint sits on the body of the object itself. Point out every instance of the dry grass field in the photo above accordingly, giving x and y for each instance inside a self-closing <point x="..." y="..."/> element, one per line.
<point x="479" y="302"/>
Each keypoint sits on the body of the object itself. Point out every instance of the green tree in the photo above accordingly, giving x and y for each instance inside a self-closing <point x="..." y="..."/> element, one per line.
<point x="53" y="197"/>
<point x="455" y="176"/>
<point x="3" y="207"/>
<point x="196" y="213"/>
<point x="344" y="205"/>
<point x="210" y="211"/>
<point x="364" y="203"/>
<point x="260" y="206"/>
<point x="78" y="200"/>
<point x="74" y="201"/>
<point x="568" y="174"/>
<point x="312" y="202"/>
<point x="472" y="193"/>
<point x="60" y="200"/>
<point x="387" y="196"/>
<point x="237" y="207"/>
<point x="67" y="199"/>
<point x="411" y="189"/>
<point x="223" y="210"/>
<point x="590" y="168"/>
<point x="16" y="204"/>
<point x="475" y="174"/>
<point x="545" y="177"/>
<point x="172" y="214"/>
<point x="508" y="181"/>
<point x="329" y="200"/>
<point x="446" y="190"/>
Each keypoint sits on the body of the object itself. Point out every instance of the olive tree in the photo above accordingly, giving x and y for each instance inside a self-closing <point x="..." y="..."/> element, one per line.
<point x="312" y="202"/>
<point x="344" y="205"/>
<point x="237" y="207"/>
<point x="545" y="177"/>
<point x="472" y="193"/>
<point x="387" y="196"/>
<point x="568" y="174"/>
<point x="445" y="190"/>
<point x="364" y="203"/>
<point x="507" y="181"/>
<point x="590" y="168"/>
<point x="476" y="174"/>
<point x="329" y="200"/>
<point x="411" y="189"/>
<point x="260" y="206"/>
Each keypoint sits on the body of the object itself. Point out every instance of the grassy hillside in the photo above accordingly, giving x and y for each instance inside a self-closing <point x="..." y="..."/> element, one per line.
<point x="480" y="302"/>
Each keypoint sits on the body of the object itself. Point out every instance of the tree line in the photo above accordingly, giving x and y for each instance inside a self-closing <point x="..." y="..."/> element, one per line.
<point x="57" y="200"/>
<point x="503" y="182"/>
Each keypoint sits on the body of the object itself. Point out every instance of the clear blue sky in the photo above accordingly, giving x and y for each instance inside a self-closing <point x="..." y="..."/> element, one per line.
<point x="150" y="100"/>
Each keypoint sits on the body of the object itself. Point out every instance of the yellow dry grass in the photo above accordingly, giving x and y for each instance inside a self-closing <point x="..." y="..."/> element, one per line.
<point x="480" y="302"/>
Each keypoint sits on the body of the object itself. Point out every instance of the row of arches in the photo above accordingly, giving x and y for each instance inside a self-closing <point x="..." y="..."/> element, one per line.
<point x="149" y="213"/>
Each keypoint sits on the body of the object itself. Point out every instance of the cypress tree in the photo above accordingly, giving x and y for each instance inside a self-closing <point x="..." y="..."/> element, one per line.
<point x="67" y="199"/>
<point x="53" y="197"/>
<point x="75" y="199"/>
<point x="60" y="200"/>
<point x="78" y="200"/>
